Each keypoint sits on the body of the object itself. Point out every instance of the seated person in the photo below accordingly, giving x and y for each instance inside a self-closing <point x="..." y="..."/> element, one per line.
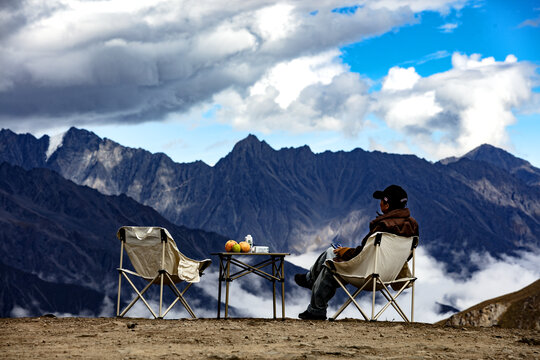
<point x="395" y="219"/>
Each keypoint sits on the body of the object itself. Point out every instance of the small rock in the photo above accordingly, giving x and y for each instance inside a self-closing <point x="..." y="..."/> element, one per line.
<point x="529" y="341"/>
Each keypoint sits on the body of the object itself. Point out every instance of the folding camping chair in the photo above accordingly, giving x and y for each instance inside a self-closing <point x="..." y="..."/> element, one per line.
<point x="155" y="257"/>
<point x="381" y="264"/>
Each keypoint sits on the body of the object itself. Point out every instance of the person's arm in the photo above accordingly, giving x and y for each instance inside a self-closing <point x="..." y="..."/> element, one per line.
<point x="345" y="253"/>
<point x="349" y="253"/>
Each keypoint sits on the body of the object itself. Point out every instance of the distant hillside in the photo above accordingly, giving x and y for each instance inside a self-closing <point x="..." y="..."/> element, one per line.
<point x="58" y="248"/>
<point x="520" y="309"/>
<point x="490" y="154"/>
<point x="295" y="200"/>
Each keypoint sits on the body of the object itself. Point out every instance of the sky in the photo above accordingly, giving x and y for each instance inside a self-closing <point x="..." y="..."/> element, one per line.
<point x="434" y="78"/>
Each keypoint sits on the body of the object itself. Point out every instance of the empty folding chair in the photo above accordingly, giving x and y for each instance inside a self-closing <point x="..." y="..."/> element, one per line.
<point x="381" y="264"/>
<point x="156" y="258"/>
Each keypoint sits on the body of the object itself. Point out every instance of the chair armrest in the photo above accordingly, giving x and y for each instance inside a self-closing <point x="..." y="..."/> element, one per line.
<point x="203" y="265"/>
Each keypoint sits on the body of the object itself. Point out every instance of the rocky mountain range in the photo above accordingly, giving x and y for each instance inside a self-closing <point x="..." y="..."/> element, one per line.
<point x="295" y="200"/>
<point x="58" y="247"/>
<point x="520" y="168"/>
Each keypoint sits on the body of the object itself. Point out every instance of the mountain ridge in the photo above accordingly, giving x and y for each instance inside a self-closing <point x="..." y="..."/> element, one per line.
<point x="520" y="168"/>
<point x="295" y="200"/>
<point x="59" y="238"/>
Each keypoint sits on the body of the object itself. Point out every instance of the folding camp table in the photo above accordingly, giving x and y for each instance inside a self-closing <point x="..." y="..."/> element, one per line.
<point x="276" y="260"/>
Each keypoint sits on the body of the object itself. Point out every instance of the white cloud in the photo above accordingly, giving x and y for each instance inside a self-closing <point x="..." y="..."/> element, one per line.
<point x="275" y="22"/>
<point x="448" y="27"/>
<point x="74" y="62"/>
<point x="18" y="311"/>
<point x="338" y="106"/>
<point x="421" y="5"/>
<point x="291" y="77"/>
<point x="495" y="278"/>
<point x="531" y="22"/>
<point x="400" y="79"/>
<point x="451" y="112"/>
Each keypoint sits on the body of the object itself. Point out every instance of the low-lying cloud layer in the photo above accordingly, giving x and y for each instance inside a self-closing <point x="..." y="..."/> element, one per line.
<point x="434" y="286"/>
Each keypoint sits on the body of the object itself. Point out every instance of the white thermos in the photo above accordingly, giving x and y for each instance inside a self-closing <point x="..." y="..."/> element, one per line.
<point x="249" y="240"/>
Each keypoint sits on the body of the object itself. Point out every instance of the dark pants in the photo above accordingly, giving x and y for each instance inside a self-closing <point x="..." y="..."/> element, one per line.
<point x="323" y="284"/>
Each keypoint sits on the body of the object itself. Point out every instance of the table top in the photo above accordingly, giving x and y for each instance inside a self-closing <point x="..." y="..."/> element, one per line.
<point x="250" y="253"/>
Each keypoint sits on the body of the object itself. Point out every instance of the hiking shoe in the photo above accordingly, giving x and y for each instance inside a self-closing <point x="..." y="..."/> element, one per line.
<point x="306" y="315"/>
<point x="301" y="280"/>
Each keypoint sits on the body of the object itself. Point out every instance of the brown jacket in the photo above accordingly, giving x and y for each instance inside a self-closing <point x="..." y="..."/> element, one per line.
<point x="398" y="222"/>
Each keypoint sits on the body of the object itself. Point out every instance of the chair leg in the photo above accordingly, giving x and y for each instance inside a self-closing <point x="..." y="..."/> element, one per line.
<point x="119" y="291"/>
<point x="170" y="306"/>
<point x="412" y="303"/>
<point x="161" y="295"/>
<point x="179" y="296"/>
<point x="349" y="300"/>
<point x="139" y="296"/>
<point x="392" y="301"/>
<point x="373" y="298"/>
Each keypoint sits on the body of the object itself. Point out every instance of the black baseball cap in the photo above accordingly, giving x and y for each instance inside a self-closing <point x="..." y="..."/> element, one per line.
<point x="393" y="195"/>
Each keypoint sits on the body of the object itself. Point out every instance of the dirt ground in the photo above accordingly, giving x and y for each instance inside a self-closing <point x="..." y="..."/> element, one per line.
<point x="112" y="338"/>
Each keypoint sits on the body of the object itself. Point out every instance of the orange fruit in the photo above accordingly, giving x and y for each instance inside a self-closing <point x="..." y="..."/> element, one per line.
<point x="236" y="248"/>
<point x="244" y="246"/>
<point x="229" y="245"/>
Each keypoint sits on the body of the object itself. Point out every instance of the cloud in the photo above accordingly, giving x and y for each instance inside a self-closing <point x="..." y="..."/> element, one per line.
<point x="451" y="112"/>
<point x="530" y="22"/>
<point x="494" y="278"/>
<point x="85" y="62"/>
<point x="18" y="311"/>
<point x="258" y="65"/>
<point x="306" y="94"/>
<point x="448" y="27"/>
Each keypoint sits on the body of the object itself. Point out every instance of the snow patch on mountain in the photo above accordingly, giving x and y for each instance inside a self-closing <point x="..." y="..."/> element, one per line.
<point x="55" y="142"/>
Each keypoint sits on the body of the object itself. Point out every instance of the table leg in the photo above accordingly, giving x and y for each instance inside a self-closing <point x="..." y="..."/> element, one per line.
<point x="282" y="290"/>
<point x="219" y="287"/>
<point x="227" y="281"/>
<point x="274" y="273"/>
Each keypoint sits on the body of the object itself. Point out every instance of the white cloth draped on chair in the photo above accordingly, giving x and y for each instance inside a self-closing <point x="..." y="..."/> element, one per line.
<point x="156" y="258"/>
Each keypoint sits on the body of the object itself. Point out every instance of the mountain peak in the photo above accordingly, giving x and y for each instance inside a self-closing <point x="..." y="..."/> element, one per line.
<point x="249" y="140"/>
<point x="491" y="154"/>
<point x="252" y="144"/>
<point x="76" y="138"/>
<point x="502" y="159"/>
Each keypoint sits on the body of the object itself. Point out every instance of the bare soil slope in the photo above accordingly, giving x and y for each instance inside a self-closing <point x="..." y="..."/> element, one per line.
<point x="520" y="309"/>
<point x="113" y="338"/>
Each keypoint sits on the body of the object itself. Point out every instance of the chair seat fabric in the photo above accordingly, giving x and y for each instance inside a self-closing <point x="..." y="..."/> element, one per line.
<point x="393" y="254"/>
<point x="143" y="246"/>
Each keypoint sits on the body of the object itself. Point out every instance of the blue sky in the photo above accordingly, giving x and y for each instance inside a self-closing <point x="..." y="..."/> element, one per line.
<point x="431" y="78"/>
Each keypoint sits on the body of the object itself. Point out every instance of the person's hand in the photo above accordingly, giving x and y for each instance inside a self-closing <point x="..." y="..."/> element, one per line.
<point x="340" y="252"/>
<point x="336" y="250"/>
